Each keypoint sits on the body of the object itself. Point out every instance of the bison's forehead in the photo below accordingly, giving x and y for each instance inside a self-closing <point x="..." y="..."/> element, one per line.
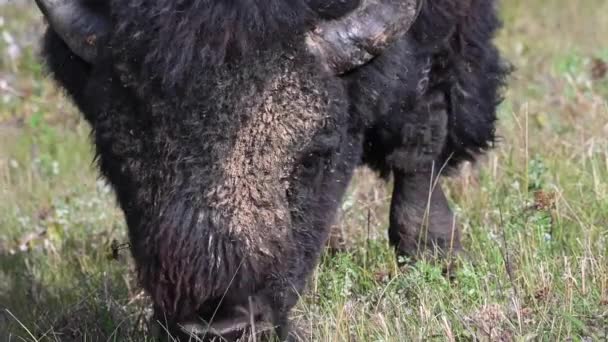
<point x="254" y="167"/>
<point x="288" y="113"/>
<point x="229" y="148"/>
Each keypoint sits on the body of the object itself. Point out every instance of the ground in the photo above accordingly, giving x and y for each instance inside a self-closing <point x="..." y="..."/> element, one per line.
<point x="534" y="212"/>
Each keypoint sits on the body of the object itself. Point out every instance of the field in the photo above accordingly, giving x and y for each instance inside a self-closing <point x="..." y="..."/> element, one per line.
<point x="534" y="213"/>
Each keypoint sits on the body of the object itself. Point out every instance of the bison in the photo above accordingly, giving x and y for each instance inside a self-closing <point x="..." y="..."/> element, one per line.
<point x="229" y="131"/>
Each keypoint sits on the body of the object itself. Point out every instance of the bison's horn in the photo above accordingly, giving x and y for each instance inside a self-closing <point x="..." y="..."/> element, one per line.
<point x="355" y="39"/>
<point x="79" y="26"/>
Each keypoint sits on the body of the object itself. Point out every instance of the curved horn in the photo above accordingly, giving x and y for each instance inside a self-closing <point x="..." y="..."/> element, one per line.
<point x="355" y="39"/>
<point x="79" y="26"/>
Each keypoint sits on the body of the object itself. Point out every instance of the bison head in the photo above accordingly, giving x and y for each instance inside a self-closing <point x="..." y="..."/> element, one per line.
<point x="229" y="175"/>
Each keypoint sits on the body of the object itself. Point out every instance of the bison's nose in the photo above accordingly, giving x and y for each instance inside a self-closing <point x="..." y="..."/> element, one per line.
<point x="230" y="323"/>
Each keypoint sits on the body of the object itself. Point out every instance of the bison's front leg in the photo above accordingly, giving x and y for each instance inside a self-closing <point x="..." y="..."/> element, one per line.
<point x="420" y="218"/>
<point x="421" y="221"/>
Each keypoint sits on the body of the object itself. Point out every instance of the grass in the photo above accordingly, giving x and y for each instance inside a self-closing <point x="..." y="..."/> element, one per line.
<point x="534" y="213"/>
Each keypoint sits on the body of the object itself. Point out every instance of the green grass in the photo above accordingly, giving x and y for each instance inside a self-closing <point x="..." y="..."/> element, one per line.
<point x="534" y="213"/>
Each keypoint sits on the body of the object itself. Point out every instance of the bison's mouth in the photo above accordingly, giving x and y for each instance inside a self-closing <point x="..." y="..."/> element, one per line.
<point x="231" y="324"/>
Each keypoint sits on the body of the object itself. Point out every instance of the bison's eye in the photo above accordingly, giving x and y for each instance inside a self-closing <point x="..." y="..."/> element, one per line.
<point x="313" y="164"/>
<point x="311" y="161"/>
<point x="334" y="9"/>
<point x="320" y="152"/>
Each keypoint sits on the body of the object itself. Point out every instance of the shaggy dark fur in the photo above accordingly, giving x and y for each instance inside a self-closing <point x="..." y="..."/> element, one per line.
<point x="428" y="104"/>
<point x="230" y="148"/>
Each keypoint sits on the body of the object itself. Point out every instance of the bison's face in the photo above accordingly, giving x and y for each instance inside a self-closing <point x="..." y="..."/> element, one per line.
<point x="228" y="177"/>
<point x="235" y="171"/>
<point x="241" y="133"/>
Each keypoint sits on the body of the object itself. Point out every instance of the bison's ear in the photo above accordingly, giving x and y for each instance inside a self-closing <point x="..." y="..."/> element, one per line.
<point x="81" y="24"/>
<point x="356" y="38"/>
